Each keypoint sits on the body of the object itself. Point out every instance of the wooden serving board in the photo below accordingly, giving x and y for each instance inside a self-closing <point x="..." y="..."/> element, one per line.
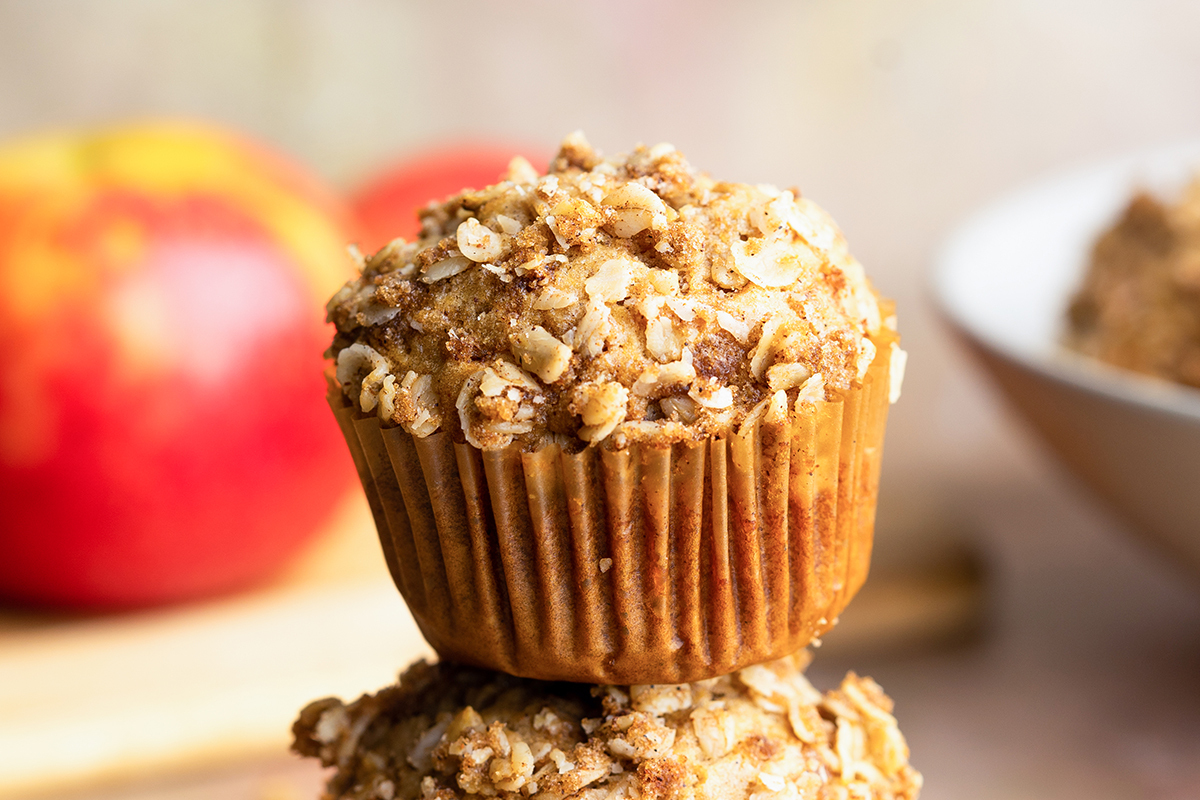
<point x="101" y="698"/>
<point x="119" y="698"/>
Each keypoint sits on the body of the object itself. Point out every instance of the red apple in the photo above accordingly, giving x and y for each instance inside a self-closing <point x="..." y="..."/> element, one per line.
<point x="163" y="429"/>
<point x="387" y="205"/>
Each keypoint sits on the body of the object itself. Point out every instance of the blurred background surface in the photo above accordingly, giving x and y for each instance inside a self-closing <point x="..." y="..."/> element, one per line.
<point x="899" y="118"/>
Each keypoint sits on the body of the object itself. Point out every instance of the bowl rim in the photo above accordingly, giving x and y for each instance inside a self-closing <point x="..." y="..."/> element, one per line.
<point x="1060" y="365"/>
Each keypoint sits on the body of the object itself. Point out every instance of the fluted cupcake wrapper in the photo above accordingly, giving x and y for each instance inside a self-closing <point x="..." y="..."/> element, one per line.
<point x="642" y="565"/>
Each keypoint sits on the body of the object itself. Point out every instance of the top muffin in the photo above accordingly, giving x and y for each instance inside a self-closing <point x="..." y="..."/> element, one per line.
<point x="618" y="300"/>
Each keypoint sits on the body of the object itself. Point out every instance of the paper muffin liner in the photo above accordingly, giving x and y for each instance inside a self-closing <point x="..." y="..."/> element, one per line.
<point x="641" y="565"/>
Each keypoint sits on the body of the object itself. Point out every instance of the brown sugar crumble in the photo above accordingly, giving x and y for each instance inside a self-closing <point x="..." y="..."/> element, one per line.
<point x="1139" y="307"/>
<point x="446" y="732"/>
<point x="611" y="300"/>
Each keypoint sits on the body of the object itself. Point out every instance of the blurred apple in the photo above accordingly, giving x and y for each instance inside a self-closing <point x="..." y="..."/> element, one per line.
<point x="387" y="205"/>
<point x="163" y="430"/>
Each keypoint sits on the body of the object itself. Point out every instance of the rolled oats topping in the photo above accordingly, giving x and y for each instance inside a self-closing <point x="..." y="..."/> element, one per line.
<point x="447" y="732"/>
<point x="635" y="299"/>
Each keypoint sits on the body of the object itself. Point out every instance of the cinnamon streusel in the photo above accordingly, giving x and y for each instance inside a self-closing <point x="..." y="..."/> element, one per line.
<point x="447" y="732"/>
<point x="1139" y="306"/>
<point x="630" y="298"/>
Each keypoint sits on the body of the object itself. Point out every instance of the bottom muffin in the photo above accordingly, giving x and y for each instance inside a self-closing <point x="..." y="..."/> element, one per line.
<point x="446" y="732"/>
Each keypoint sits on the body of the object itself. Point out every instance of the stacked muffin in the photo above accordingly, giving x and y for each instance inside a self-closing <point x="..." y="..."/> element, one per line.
<point x="619" y="424"/>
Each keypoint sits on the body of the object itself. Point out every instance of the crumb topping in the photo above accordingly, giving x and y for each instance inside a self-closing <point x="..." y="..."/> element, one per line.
<point x="447" y="732"/>
<point x="608" y="300"/>
<point x="1139" y="306"/>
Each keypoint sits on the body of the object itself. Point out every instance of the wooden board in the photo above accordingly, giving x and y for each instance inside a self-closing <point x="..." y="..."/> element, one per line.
<point x="86" y="699"/>
<point x="120" y="698"/>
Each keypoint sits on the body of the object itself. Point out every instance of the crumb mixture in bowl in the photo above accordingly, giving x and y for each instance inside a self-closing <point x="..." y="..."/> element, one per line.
<point x="1139" y="306"/>
<point x="447" y="732"/>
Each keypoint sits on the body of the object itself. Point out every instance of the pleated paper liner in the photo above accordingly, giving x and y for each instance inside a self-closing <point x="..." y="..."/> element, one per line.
<point x="644" y="565"/>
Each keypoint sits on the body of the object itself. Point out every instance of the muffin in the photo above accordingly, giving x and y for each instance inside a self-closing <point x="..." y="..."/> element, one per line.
<point x="1139" y="306"/>
<point x="447" y="732"/>
<point x="619" y="423"/>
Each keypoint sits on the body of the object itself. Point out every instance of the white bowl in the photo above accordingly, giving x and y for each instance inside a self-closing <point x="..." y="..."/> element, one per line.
<point x="1004" y="280"/>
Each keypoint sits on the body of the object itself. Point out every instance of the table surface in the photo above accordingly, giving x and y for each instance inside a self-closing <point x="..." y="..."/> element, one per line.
<point x="1081" y="684"/>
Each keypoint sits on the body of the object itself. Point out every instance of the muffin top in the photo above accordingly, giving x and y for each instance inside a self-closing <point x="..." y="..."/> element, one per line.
<point x="1139" y="306"/>
<point x="448" y="732"/>
<point x="611" y="300"/>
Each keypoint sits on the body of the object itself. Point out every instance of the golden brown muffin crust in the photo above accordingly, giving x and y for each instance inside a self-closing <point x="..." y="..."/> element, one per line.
<point x="610" y="300"/>
<point x="447" y="732"/>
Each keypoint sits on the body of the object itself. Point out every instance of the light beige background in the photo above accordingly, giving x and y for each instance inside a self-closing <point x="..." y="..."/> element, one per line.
<point x="899" y="116"/>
